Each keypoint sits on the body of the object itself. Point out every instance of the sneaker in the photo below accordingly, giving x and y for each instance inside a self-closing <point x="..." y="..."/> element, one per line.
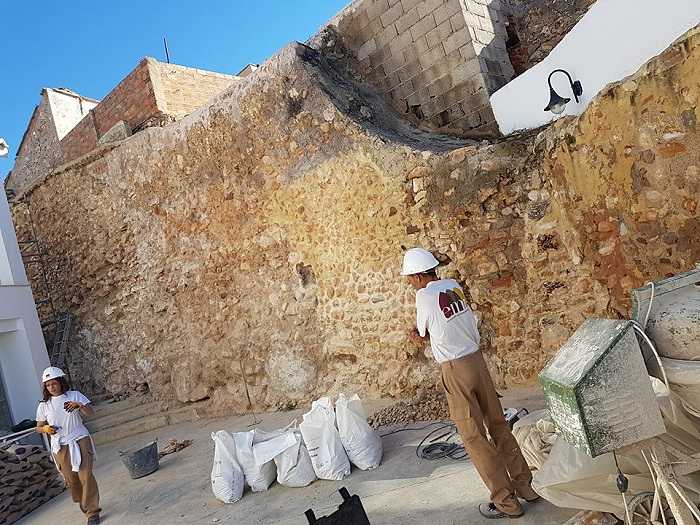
<point x="94" y="520"/>
<point x="491" y="512"/>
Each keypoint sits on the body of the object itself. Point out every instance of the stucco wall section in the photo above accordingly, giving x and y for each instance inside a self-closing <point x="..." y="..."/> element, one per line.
<point x="68" y="109"/>
<point x="266" y="231"/>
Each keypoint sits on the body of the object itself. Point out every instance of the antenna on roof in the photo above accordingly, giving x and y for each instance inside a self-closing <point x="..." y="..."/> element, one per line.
<point x="167" y="55"/>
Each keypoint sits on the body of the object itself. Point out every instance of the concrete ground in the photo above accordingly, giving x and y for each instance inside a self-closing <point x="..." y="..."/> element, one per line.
<point x="404" y="490"/>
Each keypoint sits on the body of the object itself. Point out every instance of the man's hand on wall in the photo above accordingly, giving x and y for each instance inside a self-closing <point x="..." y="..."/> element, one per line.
<point x="414" y="336"/>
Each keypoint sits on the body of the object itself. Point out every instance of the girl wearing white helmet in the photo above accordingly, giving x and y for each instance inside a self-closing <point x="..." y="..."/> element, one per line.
<point x="60" y="416"/>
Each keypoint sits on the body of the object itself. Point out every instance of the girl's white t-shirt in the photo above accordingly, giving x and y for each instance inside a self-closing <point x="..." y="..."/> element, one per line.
<point x="70" y="423"/>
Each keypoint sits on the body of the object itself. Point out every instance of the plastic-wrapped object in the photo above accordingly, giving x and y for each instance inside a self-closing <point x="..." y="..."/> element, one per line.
<point x="535" y="434"/>
<point x="227" y="478"/>
<point x="258" y="476"/>
<point x="684" y="378"/>
<point x="287" y="448"/>
<point x="362" y="444"/>
<point x="323" y="441"/>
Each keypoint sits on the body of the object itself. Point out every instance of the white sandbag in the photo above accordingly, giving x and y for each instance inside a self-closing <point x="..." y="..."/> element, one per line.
<point x="286" y="447"/>
<point x="362" y="444"/>
<point x="258" y="476"/>
<point x="323" y="441"/>
<point x="227" y="478"/>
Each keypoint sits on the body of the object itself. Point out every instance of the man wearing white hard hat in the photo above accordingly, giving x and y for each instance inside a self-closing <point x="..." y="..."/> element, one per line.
<point x="443" y="315"/>
<point x="60" y="416"/>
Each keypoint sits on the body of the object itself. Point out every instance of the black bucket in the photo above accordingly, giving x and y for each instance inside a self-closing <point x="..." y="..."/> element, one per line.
<point x="141" y="462"/>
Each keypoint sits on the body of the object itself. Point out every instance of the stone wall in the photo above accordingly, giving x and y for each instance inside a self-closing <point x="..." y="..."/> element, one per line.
<point x="39" y="151"/>
<point x="436" y="60"/>
<point x="181" y="90"/>
<point x="261" y="238"/>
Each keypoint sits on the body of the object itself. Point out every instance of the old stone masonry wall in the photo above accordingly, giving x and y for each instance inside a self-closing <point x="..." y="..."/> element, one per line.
<point x="264" y="234"/>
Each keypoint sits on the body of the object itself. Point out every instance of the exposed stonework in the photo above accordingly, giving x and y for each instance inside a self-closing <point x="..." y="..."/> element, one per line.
<point x="535" y="27"/>
<point x="40" y="151"/>
<point x="435" y="60"/>
<point x="263" y="235"/>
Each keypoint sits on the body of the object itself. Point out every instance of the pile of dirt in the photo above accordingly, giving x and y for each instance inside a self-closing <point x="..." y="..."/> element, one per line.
<point x="429" y="405"/>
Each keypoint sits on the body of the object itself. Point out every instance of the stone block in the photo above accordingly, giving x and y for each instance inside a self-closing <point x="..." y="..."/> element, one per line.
<point x="423" y="26"/>
<point x="399" y="43"/>
<point x="410" y="18"/>
<point x="119" y="131"/>
<point x="393" y="63"/>
<point x="436" y="36"/>
<point x="409" y="70"/>
<point x="447" y="10"/>
<point x="465" y="71"/>
<point x="366" y="49"/>
<point x="440" y="86"/>
<point x="409" y="4"/>
<point x="458" y="21"/>
<point x="429" y="6"/>
<point x="432" y="56"/>
<point x="375" y="8"/>
<point x="485" y="37"/>
<point x="467" y="51"/>
<point x="386" y="36"/>
<point x="421" y="45"/>
<point x="360" y="19"/>
<point x="456" y="40"/>
<point x="411" y="54"/>
<point x="456" y="95"/>
<point x="391" y="15"/>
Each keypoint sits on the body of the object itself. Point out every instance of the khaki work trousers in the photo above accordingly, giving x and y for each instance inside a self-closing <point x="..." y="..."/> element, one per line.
<point x="82" y="484"/>
<point x="474" y="403"/>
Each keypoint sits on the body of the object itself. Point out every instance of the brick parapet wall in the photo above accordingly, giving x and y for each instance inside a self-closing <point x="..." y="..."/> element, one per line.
<point x="151" y="90"/>
<point x="436" y="59"/>
<point x="81" y="139"/>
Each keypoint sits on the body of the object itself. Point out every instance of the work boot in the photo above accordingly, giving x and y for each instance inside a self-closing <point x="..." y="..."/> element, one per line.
<point x="94" y="520"/>
<point x="491" y="512"/>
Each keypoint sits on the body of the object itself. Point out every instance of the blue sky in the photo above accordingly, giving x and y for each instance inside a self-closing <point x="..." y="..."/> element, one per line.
<point x="90" y="46"/>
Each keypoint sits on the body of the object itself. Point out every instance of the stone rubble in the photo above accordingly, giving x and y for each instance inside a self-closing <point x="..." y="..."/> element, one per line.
<point x="28" y="479"/>
<point x="428" y="405"/>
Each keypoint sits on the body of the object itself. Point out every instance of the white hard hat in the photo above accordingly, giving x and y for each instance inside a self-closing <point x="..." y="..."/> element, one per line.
<point x="51" y="372"/>
<point x="418" y="260"/>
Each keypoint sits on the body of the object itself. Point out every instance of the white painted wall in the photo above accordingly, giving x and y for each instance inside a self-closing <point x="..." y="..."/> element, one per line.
<point x="612" y="41"/>
<point x="67" y="110"/>
<point x="22" y="349"/>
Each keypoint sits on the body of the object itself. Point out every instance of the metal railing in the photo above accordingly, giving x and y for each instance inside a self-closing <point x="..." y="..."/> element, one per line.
<point x="9" y="439"/>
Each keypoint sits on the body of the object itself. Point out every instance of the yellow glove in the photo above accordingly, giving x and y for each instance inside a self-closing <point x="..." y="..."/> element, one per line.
<point x="46" y="429"/>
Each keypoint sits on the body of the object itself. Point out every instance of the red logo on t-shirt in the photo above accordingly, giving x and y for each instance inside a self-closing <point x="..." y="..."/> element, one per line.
<point x="452" y="302"/>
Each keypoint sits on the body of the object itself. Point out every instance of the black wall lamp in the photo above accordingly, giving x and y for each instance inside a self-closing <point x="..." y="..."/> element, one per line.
<point x="556" y="103"/>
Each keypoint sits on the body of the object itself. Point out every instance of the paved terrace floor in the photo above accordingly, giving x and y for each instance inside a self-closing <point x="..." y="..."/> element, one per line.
<point x="404" y="490"/>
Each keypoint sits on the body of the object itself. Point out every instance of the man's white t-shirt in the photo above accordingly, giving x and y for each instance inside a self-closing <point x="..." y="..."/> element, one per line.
<point x="70" y="423"/>
<point x="443" y="312"/>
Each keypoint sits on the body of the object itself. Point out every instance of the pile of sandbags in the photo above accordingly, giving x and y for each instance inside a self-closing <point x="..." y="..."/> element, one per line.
<point x="323" y="447"/>
<point x="28" y="478"/>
